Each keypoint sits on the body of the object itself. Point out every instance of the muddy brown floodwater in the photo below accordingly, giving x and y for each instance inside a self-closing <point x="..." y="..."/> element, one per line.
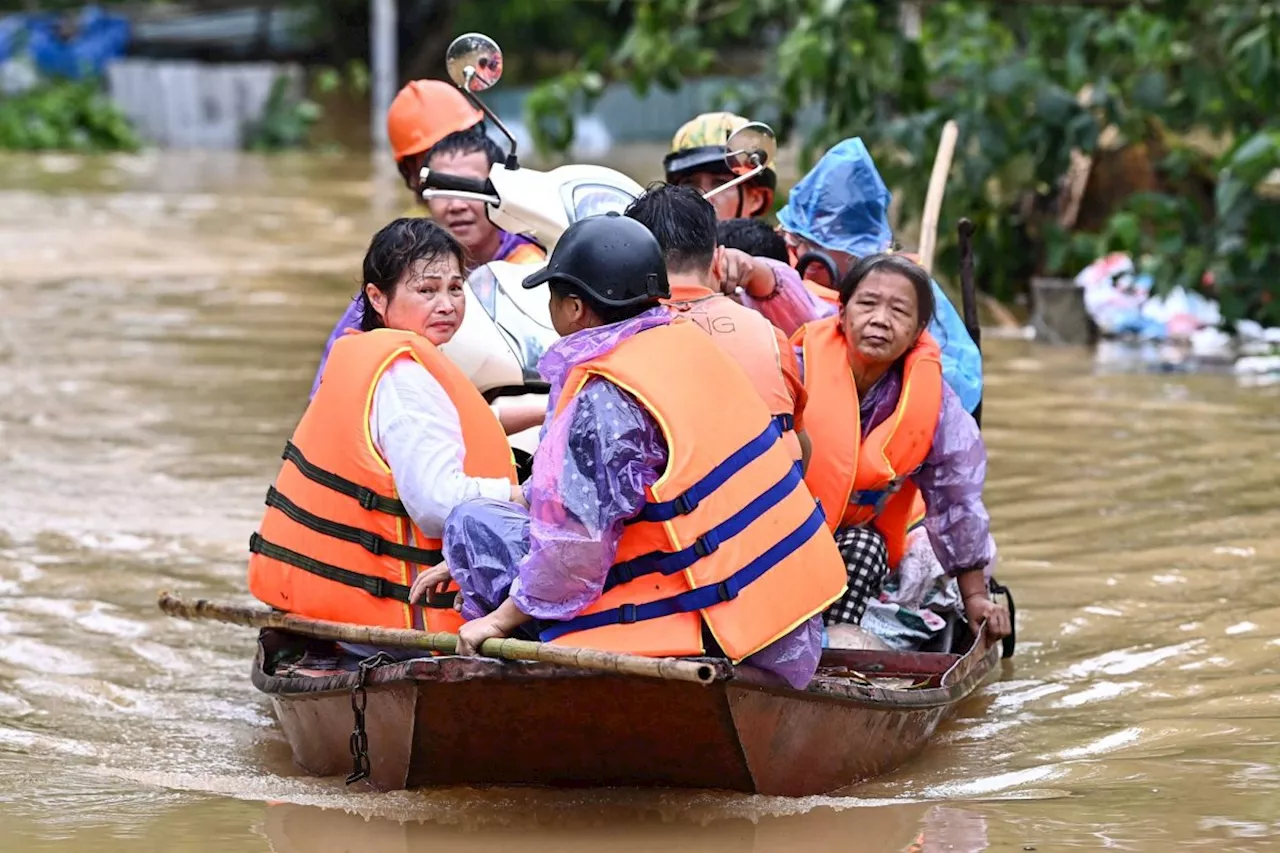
<point x="160" y="319"/>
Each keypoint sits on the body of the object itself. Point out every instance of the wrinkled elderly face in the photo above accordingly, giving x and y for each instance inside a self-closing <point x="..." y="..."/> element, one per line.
<point x="882" y="320"/>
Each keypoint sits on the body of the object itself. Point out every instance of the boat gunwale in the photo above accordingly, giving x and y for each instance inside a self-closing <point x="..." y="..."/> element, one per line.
<point x="963" y="677"/>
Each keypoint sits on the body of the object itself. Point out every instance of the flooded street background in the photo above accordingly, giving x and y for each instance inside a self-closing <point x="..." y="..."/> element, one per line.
<point x="161" y="320"/>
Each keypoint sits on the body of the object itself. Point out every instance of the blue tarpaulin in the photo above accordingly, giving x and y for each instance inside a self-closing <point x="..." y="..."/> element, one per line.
<point x="96" y="37"/>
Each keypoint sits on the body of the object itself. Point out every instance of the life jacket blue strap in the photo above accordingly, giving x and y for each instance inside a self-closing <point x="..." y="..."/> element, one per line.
<point x="670" y="562"/>
<point x="688" y="501"/>
<point x="870" y="497"/>
<point x="695" y="599"/>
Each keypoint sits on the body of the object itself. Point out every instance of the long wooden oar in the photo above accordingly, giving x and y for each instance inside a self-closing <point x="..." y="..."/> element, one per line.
<point x="669" y="669"/>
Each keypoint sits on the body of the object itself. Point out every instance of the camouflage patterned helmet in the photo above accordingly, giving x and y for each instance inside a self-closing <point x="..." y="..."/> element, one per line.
<point x="700" y="146"/>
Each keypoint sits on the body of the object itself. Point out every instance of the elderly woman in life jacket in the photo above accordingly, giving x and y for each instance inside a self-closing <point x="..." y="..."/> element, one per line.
<point x="887" y="430"/>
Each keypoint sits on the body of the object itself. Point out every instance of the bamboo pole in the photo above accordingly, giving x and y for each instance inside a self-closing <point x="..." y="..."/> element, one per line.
<point x="668" y="669"/>
<point x="937" y="188"/>
<point x="969" y="296"/>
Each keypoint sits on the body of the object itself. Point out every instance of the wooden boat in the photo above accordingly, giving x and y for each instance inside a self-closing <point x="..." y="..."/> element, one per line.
<point x="478" y="721"/>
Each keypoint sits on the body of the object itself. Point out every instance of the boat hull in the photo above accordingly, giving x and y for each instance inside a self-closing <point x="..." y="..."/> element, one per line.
<point x="477" y="721"/>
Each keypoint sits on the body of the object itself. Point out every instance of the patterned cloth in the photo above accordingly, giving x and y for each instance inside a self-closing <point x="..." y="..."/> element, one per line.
<point x="867" y="562"/>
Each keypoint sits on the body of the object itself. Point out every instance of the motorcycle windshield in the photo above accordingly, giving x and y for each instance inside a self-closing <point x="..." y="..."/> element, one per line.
<point x="521" y="316"/>
<point x="596" y="199"/>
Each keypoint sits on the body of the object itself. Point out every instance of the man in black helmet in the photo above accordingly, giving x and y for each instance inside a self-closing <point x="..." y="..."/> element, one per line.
<point x="660" y="493"/>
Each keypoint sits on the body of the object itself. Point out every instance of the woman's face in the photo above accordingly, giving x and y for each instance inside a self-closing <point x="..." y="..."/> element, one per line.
<point x="428" y="299"/>
<point x="881" y="321"/>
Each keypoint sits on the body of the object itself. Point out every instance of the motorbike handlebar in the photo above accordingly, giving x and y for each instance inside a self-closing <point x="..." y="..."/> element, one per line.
<point x="457" y="183"/>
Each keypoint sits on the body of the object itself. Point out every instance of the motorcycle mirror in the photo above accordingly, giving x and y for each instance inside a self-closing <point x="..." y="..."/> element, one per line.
<point x="751" y="148"/>
<point x="474" y="62"/>
<point x="749" y="151"/>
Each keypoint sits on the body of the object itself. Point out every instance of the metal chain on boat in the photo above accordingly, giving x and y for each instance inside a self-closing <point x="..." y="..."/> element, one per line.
<point x="359" y="701"/>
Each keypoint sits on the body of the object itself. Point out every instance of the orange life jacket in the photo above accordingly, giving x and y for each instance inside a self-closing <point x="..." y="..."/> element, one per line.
<point x="729" y="536"/>
<point x="336" y="542"/>
<point x="526" y="253"/>
<point x="860" y="481"/>
<point x="822" y="292"/>
<point x="749" y="339"/>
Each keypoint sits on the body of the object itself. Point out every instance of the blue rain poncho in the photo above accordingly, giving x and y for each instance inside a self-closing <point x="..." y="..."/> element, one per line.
<point x="842" y="204"/>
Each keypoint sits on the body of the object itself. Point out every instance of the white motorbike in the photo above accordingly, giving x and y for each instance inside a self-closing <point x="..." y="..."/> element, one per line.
<point x="499" y="346"/>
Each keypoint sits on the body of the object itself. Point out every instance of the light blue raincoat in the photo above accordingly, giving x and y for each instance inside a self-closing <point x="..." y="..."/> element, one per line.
<point x="843" y="204"/>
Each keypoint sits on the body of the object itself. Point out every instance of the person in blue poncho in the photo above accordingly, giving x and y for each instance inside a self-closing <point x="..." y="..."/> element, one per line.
<point x="841" y="208"/>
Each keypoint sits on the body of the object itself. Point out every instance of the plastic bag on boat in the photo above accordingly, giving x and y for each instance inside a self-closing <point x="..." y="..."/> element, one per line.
<point x="911" y="607"/>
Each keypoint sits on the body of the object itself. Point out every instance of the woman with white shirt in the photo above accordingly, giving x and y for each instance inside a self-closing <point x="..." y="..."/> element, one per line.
<point x="395" y="437"/>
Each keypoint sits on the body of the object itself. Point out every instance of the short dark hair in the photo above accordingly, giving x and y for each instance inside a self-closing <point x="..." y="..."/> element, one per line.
<point x="926" y="305"/>
<point x="608" y="314"/>
<point x="753" y="236"/>
<point x="684" y="223"/>
<point x="468" y="141"/>
<point x="393" y="250"/>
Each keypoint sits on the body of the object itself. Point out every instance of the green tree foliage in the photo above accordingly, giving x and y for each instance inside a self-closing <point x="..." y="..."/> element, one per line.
<point x="1027" y="84"/>
<point x="64" y="115"/>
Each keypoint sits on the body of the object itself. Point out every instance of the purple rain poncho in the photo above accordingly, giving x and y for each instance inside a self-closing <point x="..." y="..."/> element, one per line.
<point x="352" y="317"/>
<point x="590" y="474"/>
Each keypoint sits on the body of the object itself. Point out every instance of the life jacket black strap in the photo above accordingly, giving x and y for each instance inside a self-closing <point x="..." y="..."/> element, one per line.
<point x="377" y="587"/>
<point x="371" y="542"/>
<point x="366" y="497"/>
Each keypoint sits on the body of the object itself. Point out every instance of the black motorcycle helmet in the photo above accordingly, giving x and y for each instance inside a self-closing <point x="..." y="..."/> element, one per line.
<point x="610" y="259"/>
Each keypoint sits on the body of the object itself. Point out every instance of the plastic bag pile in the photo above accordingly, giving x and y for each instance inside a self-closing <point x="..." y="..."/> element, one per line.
<point x="1120" y="301"/>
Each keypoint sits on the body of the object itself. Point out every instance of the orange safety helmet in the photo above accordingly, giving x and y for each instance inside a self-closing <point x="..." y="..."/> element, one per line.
<point x="425" y="112"/>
